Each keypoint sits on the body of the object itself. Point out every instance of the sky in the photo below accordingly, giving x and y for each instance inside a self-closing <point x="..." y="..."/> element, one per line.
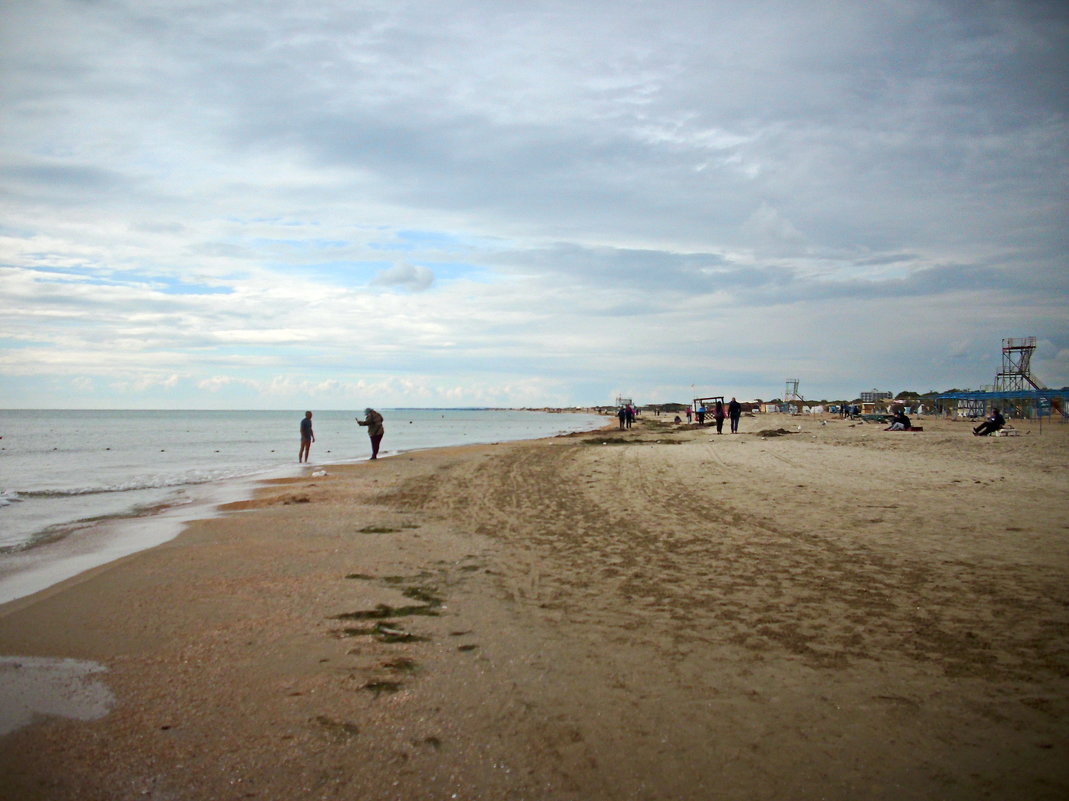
<point x="438" y="203"/>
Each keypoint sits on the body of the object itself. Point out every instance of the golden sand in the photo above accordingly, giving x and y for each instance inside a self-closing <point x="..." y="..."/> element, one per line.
<point x="835" y="613"/>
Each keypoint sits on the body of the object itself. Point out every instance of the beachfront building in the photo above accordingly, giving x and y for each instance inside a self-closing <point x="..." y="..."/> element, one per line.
<point x="875" y="396"/>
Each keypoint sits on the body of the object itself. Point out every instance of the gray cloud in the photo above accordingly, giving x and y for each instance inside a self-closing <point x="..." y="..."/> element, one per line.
<point x="697" y="166"/>
<point x="414" y="277"/>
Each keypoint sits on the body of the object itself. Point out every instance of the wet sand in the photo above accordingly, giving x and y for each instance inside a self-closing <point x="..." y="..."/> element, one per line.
<point x="834" y="613"/>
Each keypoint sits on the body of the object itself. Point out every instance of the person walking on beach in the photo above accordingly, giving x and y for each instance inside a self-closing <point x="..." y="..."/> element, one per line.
<point x="630" y="416"/>
<point x="701" y="415"/>
<point x="373" y="421"/>
<point x="734" y="413"/>
<point x="307" y="437"/>
<point x="622" y="414"/>
<point x="718" y="416"/>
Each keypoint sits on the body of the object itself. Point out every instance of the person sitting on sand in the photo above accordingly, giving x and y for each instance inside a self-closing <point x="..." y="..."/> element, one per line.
<point x="307" y="437"/>
<point x="993" y="423"/>
<point x="899" y="422"/>
<point x="373" y="421"/>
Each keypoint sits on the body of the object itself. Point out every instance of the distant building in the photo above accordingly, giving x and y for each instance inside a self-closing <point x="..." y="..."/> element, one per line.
<point x="875" y="396"/>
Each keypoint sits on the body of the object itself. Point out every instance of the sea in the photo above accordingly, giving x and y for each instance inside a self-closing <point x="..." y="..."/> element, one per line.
<point x="81" y="488"/>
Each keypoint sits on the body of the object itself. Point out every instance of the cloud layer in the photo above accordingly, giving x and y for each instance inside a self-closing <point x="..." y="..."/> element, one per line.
<point x="481" y="203"/>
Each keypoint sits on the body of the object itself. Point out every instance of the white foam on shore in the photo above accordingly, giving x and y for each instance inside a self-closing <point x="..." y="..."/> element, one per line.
<point x="35" y="687"/>
<point x="24" y="573"/>
<point x="32" y="687"/>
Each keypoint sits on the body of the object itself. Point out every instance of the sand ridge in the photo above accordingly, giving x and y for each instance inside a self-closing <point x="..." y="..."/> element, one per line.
<point x="837" y="612"/>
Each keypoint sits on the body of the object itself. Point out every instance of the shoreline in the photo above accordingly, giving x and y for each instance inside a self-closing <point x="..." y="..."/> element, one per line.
<point x="31" y="570"/>
<point x="661" y="613"/>
<point x="90" y="543"/>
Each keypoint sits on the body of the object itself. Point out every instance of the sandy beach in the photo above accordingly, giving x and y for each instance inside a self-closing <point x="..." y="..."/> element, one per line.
<point x="836" y="612"/>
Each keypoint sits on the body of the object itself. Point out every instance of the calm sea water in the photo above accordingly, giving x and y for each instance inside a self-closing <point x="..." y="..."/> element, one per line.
<point x="63" y="472"/>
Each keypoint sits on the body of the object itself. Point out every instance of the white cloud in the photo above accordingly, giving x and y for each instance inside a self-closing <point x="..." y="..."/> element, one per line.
<point x="769" y="230"/>
<point x="409" y="276"/>
<point x="332" y="200"/>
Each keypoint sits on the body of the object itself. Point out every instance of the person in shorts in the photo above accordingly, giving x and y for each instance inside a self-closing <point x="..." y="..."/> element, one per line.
<point x="307" y="437"/>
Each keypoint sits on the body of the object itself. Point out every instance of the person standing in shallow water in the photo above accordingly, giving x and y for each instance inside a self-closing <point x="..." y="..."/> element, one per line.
<point x="373" y="421"/>
<point x="307" y="438"/>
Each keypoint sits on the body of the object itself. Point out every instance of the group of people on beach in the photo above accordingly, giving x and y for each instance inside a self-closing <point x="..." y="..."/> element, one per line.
<point x="372" y="421"/>
<point x="992" y="423"/>
<point x="849" y="410"/>
<point x="733" y="412"/>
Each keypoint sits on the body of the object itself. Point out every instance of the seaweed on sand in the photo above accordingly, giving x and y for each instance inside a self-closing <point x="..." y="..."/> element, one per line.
<point x="379" y="686"/>
<point x="424" y="594"/>
<point x="774" y="432"/>
<point x="387" y="529"/>
<point x="384" y="632"/>
<point x="402" y="664"/>
<point x="337" y="728"/>
<point x="383" y="611"/>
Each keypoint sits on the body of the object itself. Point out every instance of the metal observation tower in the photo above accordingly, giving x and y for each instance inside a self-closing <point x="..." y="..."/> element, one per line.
<point x="790" y="394"/>
<point x="1016" y="390"/>
<point x="1016" y="373"/>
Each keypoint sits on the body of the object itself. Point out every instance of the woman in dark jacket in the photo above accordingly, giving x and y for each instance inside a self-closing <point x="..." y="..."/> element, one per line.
<point x="373" y="421"/>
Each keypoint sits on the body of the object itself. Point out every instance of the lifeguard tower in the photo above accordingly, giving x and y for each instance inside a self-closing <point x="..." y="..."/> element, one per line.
<point x="1016" y="373"/>
<point x="791" y="399"/>
<point x="1016" y="390"/>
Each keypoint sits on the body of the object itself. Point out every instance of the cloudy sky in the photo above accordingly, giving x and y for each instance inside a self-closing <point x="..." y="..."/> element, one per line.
<point x="344" y="203"/>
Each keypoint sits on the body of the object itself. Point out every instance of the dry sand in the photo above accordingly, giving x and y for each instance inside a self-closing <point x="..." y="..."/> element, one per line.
<point x="837" y="613"/>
